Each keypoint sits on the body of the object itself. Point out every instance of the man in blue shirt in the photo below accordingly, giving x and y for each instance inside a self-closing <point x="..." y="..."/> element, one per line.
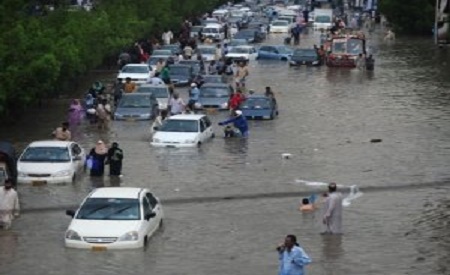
<point x="193" y="96"/>
<point x="292" y="257"/>
<point x="239" y="122"/>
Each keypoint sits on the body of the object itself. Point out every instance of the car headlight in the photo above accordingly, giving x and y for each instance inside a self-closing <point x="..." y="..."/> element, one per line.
<point x="21" y="174"/>
<point x="63" y="173"/>
<point x="156" y="140"/>
<point x="224" y="105"/>
<point x="72" y="235"/>
<point x="130" y="236"/>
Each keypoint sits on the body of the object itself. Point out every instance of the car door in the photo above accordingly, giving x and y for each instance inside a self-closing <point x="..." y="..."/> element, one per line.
<point x="203" y="134"/>
<point x="209" y="130"/>
<point x="147" y="225"/>
<point x="264" y="51"/>
<point x="252" y="53"/>
<point x="156" y="208"/>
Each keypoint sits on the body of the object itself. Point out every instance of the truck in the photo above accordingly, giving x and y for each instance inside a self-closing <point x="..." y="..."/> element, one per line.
<point x="323" y="19"/>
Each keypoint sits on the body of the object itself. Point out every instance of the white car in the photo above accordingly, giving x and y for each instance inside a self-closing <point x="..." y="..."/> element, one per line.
<point x="242" y="53"/>
<point x="139" y="73"/>
<point x="279" y="26"/>
<point x="50" y="162"/>
<point x="208" y="52"/>
<point x="114" y="218"/>
<point x="160" y="92"/>
<point x="183" y="131"/>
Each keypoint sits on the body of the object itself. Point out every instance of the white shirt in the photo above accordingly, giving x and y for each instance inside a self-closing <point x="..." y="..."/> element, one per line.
<point x="176" y="105"/>
<point x="9" y="204"/>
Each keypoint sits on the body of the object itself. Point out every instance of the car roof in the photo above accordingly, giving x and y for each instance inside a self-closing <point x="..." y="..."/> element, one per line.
<point x="206" y="46"/>
<point x="152" y="86"/>
<point x="215" y="25"/>
<point x="215" y="85"/>
<point x="257" y="96"/>
<point x="135" y="94"/>
<point x="179" y="66"/>
<point x="244" y="46"/>
<point x="117" y="192"/>
<point x="186" y="117"/>
<point x="136" y="65"/>
<point x="50" y="143"/>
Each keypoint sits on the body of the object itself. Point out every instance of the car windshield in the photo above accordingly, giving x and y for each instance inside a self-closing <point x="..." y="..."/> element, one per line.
<point x="280" y="23"/>
<point x="179" y="71"/>
<point x="158" y="92"/>
<point x="207" y="50"/>
<point x="214" y="92"/>
<point x="210" y="30"/>
<point x="339" y="47"/>
<point x="246" y="33"/>
<point x="46" y="154"/>
<point x="152" y="61"/>
<point x="171" y="48"/>
<point x="135" y="69"/>
<point x="162" y="52"/>
<point x="234" y="19"/>
<point x="239" y="50"/>
<point x="310" y="53"/>
<point x="212" y="79"/>
<point x="256" y="103"/>
<point x="109" y="209"/>
<point x="355" y="46"/>
<point x="322" y="19"/>
<point x="287" y="19"/>
<point x="196" y="29"/>
<point x="135" y="101"/>
<point x="179" y="125"/>
<point x="284" y="50"/>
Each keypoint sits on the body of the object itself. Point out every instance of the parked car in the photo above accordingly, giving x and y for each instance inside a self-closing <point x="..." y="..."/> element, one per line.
<point x="114" y="218"/>
<point x="251" y="35"/>
<point x="242" y="53"/>
<point x="160" y="92"/>
<point x="136" y="106"/>
<point x="8" y="163"/>
<point x="183" y="131"/>
<point x="181" y="75"/>
<point x="280" y="26"/>
<point x="139" y="73"/>
<point x="49" y="162"/>
<point x="259" y="107"/>
<point x="279" y="52"/>
<point x="305" y="57"/>
<point x="237" y="42"/>
<point x="214" y="95"/>
<point x="208" y="52"/>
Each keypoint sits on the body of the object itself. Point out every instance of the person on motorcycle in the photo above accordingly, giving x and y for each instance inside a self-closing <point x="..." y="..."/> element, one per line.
<point x="238" y="121"/>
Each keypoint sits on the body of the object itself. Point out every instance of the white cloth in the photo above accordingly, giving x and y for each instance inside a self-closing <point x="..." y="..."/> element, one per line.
<point x="9" y="206"/>
<point x="332" y="216"/>
<point x="167" y="37"/>
<point x="156" y="81"/>
<point x="176" y="106"/>
<point x="157" y="123"/>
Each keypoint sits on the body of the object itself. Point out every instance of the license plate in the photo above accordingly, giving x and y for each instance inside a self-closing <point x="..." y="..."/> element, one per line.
<point x="99" y="248"/>
<point x="38" y="182"/>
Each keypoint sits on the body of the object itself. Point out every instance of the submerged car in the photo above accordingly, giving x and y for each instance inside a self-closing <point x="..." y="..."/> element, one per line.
<point x="279" y="52"/>
<point x="308" y="57"/>
<point x="214" y="95"/>
<point x="259" y="107"/>
<point x="136" y="106"/>
<point x="114" y="218"/>
<point x="181" y="75"/>
<point x="242" y="53"/>
<point x="50" y="161"/>
<point x="237" y="42"/>
<point x="183" y="131"/>
<point x="251" y="35"/>
<point x="139" y="73"/>
<point x="279" y="26"/>
<point x="160" y="92"/>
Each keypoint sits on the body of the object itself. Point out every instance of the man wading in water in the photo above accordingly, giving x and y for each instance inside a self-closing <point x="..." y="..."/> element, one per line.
<point x="292" y="257"/>
<point x="332" y="218"/>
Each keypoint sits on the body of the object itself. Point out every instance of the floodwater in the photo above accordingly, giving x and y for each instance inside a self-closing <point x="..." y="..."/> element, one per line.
<point x="231" y="202"/>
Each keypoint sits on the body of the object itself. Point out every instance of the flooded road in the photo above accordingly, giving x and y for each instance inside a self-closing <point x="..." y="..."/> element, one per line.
<point x="327" y="119"/>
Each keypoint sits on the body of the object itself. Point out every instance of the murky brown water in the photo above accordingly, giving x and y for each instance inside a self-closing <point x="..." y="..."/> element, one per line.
<point x="327" y="118"/>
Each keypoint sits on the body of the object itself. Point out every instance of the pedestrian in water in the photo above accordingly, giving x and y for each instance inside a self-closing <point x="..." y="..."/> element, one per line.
<point x="97" y="157"/>
<point x="159" y="121"/>
<point x="75" y="112"/>
<point x="292" y="257"/>
<point x="103" y="115"/>
<point x="62" y="133"/>
<point x="238" y="121"/>
<point x="194" y="94"/>
<point x="115" y="157"/>
<point x="332" y="217"/>
<point x="9" y="204"/>
<point x="370" y="63"/>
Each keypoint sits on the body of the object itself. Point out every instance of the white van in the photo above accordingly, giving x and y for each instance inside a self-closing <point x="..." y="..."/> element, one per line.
<point x="221" y="14"/>
<point x="323" y="19"/>
<point x="216" y="31"/>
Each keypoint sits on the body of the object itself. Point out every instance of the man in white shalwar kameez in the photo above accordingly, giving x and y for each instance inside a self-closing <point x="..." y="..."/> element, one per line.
<point x="9" y="205"/>
<point x="332" y="213"/>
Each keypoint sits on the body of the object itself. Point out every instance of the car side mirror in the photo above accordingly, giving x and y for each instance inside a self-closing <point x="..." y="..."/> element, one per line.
<point x="70" y="213"/>
<point x="150" y="215"/>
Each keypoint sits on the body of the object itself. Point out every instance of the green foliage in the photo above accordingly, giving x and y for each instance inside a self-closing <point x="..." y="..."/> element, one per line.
<point x="411" y="17"/>
<point x="39" y="53"/>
